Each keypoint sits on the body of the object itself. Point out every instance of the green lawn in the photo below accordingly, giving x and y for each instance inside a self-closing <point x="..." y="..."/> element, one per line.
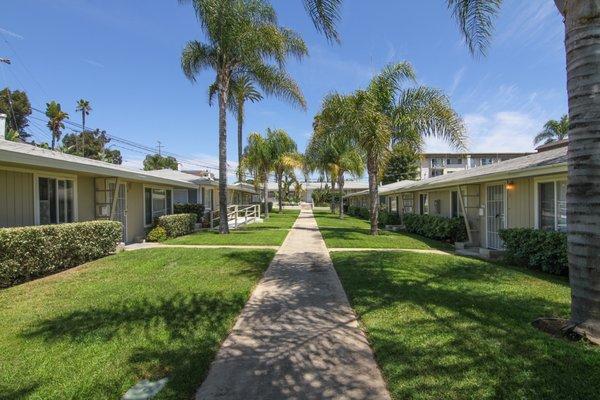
<point x="456" y="328"/>
<point x="354" y="232"/>
<point x="93" y="332"/>
<point x="270" y="232"/>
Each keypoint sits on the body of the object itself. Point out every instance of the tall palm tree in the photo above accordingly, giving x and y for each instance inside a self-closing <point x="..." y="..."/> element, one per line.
<point x="284" y="156"/>
<point x="582" y="29"/>
<point x="258" y="161"/>
<point x="553" y="131"/>
<point x="56" y="116"/>
<point x="242" y="37"/>
<point x="242" y="89"/>
<point x="84" y="107"/>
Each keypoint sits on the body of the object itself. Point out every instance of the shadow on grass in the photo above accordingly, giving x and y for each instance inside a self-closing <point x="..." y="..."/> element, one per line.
<point x="11" y="394"/>
<point x="361" y="237"/>
<point x="452" y="327"/>
<point x="178" y="335"/>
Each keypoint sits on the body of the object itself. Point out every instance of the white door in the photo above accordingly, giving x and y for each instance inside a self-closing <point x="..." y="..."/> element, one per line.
<point x="121" y="208"/>
<point x="495" y="216"/>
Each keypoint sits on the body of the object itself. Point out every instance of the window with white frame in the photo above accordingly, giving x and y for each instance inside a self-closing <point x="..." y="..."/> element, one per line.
<point x="552" y="205"/>
<point x="454" y="161"/>
<point x="157" y="202"/>
<point x="487" y="160"/>
<point x="56" y="200"/>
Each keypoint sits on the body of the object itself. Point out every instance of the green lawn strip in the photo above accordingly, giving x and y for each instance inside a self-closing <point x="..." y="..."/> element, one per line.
<point x="454" y="328"/>
<point x="271" y="232"/>
<point x="354" y="232"/>
<point x="93" y="332"/>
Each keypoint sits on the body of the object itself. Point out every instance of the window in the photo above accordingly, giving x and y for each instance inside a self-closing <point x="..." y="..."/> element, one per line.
<point x="486" y="160"/>
<point x="552" y="205"/>
<point x="56" y="200"/>
<point x="437" y="172"/>
<point x="407" y="203"/>
<point x="393" y="204"/>
<point x="423" y="204"/>
<point x="202" y="197"/>
<point x="437" y="162"/>
<point x="454" y="161"/>
<point x="157" y="202"/>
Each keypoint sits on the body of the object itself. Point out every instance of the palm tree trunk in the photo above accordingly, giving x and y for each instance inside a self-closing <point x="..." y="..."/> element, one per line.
<point x="240" y="123"/>
<point x="83" y="120"/>
<point x="265" y="196"/>
<point x="279" y="192"/>
<point x="341" y="191"/>
<point x="373" y="196"/>
<point x="223" y="223"/>
<point x="332" y="204"/>
<point x="582" y="29"/>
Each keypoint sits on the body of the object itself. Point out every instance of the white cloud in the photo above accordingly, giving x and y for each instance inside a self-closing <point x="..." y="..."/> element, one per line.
<point x="458" y="76"/>
<point x="11" y="33"/>
<point x="94" y="63"/>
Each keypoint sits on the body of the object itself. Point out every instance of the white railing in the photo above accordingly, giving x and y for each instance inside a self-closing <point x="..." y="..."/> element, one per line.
<point x="238" y="214"/>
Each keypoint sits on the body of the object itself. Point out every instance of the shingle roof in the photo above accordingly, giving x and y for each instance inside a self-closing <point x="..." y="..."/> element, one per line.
<point x="200" y="180"/>
<point x="26" y="154"/>
<point x="521" y="166"/>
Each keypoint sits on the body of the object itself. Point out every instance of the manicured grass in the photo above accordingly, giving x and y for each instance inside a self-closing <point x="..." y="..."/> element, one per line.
<point x="354" y="232"/>
<point x="93" y="332"/>
<point x="455" y="328"/>
<point x="271" y="232"/>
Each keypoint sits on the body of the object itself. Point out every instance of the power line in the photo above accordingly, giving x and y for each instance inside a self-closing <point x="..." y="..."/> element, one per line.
<point x="23" y="63"/>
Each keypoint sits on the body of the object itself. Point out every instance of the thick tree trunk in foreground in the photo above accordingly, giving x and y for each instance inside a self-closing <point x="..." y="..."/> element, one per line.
<point x="582" y="42"/>
<point x="373" y="196"/>
<point x="223" y="223"/>
<point x="332" y="204"/>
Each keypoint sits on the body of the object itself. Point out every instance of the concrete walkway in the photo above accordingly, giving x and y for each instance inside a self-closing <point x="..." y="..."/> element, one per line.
<point x="297" y="337"/>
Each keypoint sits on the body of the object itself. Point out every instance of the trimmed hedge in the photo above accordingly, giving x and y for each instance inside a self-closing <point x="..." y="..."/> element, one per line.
<point x="385" y="217"/>
<point x="536" y="249"/>
<point x="177" y="224"/>
<point x="435" y="227"/>
<point x="190" y="208"/>
<point x="34" y="251"/>
<point x="157" y="234"/>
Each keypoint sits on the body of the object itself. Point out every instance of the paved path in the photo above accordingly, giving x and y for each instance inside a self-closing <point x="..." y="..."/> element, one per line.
<point x="297" y="337"/>
<point x="154" y="245"/>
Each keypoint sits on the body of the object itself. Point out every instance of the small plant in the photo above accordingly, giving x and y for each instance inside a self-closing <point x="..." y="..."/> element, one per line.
<point x="436" y="227"/>
<point x="157" y="234"/>
<point x="177" y="224"/>
<point x="536" y="249"/>
<point x="190" y="208"/>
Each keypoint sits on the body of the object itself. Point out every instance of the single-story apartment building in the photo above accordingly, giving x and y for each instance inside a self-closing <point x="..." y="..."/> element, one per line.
<point x="350" y="186"/>
<point x="40" y="186"/>
<point x="528" y="192"/>
<point x="206" y="190"/>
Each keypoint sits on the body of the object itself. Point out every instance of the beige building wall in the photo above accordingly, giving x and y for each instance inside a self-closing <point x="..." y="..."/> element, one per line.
<point x="16" y="198"/>
<point x="520" y="204"/>
<point x="85" y="198"/>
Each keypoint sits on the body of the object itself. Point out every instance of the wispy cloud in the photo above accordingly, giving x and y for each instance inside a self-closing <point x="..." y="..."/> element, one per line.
<point x="458" y="77"/>
<point x="94" y="63"/>
<point x="11" y="33"/>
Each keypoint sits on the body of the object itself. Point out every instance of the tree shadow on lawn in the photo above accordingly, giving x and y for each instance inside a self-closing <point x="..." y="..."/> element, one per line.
<point x="459" y="328"/>
<point x="361" y="237"/>
<point x="178" y="335"/>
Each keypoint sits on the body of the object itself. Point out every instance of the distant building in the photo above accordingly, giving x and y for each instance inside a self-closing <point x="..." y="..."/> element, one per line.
<point x="436" y="164"/>
<point x="309" y="187"/>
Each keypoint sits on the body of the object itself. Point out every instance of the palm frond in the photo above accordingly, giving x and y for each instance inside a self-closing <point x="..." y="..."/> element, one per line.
<point x="476" y="21"/>
<point x="197" y="56"/>
<point x="325" y="14"/>
<point x="276" y="82"/>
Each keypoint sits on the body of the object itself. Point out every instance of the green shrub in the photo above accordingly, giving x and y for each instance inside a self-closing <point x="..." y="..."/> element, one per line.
<point x="177" y="224"/>
<point x="262" y="207"/>
<point x="157" y="234"/>
<point x="536" y="249"/>
<point x="33" y="251"/>
<point x="388" y="218"/>
<point x="190" y="208"/>
<point x="436" y="227"/>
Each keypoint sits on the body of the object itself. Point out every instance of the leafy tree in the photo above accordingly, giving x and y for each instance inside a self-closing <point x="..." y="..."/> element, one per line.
<point x="553" y="131"/>
<point x="242" y="38"/>
<point x="242" y="90"/>
<point x="17" y="108"/>
<point x="93" y="145"/>
<point x="582" y="29"/>
<point x="12" y="136"/>
<point x="284" y="156"/>
<point x="56" y="116"/>
<point x="157" y="161"/>
<point x="403" y="164"/>
<point x="258" y="161"/>
<point x="84" y="107"/>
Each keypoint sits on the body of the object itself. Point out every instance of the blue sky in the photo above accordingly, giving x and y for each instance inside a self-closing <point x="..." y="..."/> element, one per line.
<point x="123" y="56"/>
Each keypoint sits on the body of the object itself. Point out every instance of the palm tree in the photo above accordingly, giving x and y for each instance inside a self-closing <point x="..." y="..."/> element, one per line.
<point x="284" y="156"/>
<point x="582" y="29"/>
<point x="84" y="107"/>
<point x="242" y="89"/>
<point x="56" y="116"/>
<point x="258" y="161"/>
<point x="553" y="131"/>
<point x="242" y="37"/>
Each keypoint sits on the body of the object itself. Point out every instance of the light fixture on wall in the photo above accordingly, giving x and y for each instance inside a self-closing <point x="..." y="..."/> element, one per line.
<point x="510" y="185"/>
